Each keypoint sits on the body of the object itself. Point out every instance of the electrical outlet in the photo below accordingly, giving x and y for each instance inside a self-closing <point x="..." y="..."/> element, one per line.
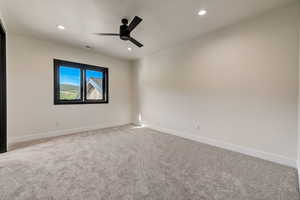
<point x="57" y="124"/>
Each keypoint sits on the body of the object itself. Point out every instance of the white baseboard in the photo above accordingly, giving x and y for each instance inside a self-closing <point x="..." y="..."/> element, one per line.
<point x="244" y="150"/>
<point x="36" y="136"/>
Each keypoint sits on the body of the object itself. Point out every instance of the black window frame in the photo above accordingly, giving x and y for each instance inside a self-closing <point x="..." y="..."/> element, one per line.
<point x="3" y="90"/>
<point x="83" y="67"/>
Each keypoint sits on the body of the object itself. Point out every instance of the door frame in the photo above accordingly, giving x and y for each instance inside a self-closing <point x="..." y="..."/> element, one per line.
<point x="3" y="101"/>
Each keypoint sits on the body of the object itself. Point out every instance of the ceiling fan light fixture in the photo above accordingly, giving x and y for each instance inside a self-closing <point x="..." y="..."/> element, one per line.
<point x="60" y="27"/>
<point x="202" y="12"/>
<point x="125" y="31"/>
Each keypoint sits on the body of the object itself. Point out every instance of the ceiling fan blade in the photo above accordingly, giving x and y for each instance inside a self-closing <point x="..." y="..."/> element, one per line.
<point x="135" y="42"/>
<point x="108" y="34"/>
<point x="136" y="20"/>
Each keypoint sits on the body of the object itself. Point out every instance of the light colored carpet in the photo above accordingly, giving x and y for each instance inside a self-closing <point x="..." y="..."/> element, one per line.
<point x="127" y="163"/>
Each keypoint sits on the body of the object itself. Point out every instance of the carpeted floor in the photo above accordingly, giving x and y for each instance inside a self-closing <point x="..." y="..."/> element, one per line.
<point x="128" y="163"/>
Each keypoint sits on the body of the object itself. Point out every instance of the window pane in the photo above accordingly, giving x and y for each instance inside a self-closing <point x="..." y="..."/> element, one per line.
<point x="69" y="81"/>
<point x="94" y="85"/>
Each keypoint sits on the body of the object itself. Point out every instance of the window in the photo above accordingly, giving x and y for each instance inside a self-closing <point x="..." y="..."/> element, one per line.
<point x="76" y="83"/>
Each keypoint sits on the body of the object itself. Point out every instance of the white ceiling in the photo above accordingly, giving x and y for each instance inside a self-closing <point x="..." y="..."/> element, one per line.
<point x="166" y="22"/>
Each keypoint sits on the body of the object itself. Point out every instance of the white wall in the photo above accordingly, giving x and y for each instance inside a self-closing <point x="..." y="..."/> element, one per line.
<point x="239" y="85"/>
<point x="31" y="112"/>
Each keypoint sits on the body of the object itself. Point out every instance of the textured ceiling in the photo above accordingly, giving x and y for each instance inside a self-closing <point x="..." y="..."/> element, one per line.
<point x="166" y="22"/>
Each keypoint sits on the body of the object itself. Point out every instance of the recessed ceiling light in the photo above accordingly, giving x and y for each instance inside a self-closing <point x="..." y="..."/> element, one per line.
<point x="202" y="12"/>
<point x="129" y="49"/>
<point x="61" y="27"/>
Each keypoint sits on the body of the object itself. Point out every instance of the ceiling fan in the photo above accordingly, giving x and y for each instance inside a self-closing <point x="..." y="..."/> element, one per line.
<point x="125" y="30"/>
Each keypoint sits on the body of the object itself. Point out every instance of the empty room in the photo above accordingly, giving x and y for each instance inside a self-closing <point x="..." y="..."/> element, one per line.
<point x="149" y="100"/>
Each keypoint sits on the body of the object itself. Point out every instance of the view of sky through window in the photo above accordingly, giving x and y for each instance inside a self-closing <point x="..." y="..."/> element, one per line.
<point x="93" y="74"/>
<point x="69" y="75"/>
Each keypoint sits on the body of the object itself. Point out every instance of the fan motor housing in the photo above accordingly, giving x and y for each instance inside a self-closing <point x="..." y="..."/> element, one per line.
<point x="124" y="32"/>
